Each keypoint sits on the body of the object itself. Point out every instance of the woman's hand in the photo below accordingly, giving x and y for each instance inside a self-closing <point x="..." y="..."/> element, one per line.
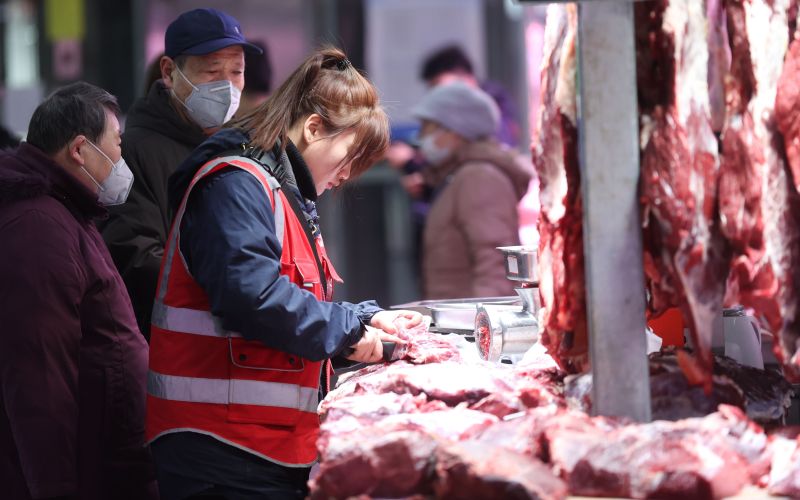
<point x="387" y="320"/>
<point x="370" y="348"/>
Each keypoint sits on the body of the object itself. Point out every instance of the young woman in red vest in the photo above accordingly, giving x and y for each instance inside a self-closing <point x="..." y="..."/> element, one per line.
<point x="243" y="328"/>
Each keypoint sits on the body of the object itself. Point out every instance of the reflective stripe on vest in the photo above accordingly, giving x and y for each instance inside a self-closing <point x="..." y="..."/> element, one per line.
<point x="232" y="391"/>
<point x="200" y="322"/>
<point x="196" y="383"/>
<point x="178" y="319"/>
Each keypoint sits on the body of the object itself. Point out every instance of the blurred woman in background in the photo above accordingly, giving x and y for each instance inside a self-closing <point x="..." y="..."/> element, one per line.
<point x="476" y="185"/>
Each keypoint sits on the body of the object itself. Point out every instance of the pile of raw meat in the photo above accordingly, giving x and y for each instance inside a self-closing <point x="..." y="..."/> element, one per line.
<point x="719" y="103"/>
<point x="453" y="429"/>
<point x="764" y="395"/>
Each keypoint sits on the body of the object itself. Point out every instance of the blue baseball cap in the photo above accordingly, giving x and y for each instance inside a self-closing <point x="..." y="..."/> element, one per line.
<point x="203" y="31"/>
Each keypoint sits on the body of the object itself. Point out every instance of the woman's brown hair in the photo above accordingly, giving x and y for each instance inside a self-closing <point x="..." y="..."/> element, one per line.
<point x="328" y="85"/>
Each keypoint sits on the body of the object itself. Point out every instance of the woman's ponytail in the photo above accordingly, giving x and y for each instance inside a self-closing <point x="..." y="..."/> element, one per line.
<point x="326" y="84"/>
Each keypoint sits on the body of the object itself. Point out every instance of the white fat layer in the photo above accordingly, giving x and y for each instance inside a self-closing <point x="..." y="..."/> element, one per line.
<point x="646" y="127"/>
<point x="560" y="28"/>
<point x="766" y="22"/>
<point x="686" y="20"/>
<point x="566" y="91"/>
<point x="551" y="51"/>
<point x="711" y="462"/>
<point x="767" y="32"/>
<point x="782" y="451"/>
<point x="554" y="26"/>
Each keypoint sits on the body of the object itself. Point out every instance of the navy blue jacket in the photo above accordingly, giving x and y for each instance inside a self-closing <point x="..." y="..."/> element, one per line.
<point x="228" y="240"/>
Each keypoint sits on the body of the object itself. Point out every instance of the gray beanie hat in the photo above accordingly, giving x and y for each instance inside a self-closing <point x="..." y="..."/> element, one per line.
<point x="465" y="110"/>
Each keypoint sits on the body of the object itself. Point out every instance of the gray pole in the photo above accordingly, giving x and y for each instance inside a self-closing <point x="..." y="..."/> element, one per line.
<point x="609" y="156"/>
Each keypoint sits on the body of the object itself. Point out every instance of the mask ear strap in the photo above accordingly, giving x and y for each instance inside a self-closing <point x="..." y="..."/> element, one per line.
<point x="172" y="91"/>
<point x="99" y="150"/>
<point x="92" y="178"/>
<point x="184" y="77"/>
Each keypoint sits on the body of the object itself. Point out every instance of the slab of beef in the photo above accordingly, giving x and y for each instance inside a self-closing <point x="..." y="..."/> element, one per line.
<point x="758" y="208"/>
<point x="502" y="404"/>
<point x="496" y="389"/>
<point x="555" y="157"/>
<point x="452" y="383"/>
<point x="532" y="388"/>
<point x="721" y="217"/>
<point x="695" y="458"/>
<point x="386" y="463"/>
<point x="706" y="457"/>
<point x="550" y="376"/>
<point x="392" y="460"/>
<point x="764" y="395"/>
<point x="672" y="397"/>
<point x="349" y="414"/>
<point x="521" y="432"/>
<point x="787" y="113"/>
<point x="787" y="104"/>
<point x="363" y="450"/>
<point x="684" y="256"/>
<point x="784" y="463"/>
<point x="767" y="393"/>
<point x="476" y="469"/>
<point x="527" y="433"/>
<point x="424" y="347"/>
<point x="375" y="406"/>
<point x="447" y="423"/>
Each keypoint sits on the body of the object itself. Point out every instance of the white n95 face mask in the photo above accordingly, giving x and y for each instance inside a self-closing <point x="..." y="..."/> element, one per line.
<point x="432" y="153"/>
<point x="211" y="104"/>
<point x="114" y="190"/>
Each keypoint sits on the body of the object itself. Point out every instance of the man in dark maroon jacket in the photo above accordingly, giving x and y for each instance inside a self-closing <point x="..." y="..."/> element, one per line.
<point x="72" y="361"/>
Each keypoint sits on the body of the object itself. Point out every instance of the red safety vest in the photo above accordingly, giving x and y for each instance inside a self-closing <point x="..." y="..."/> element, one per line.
<point x="205" y="379"/>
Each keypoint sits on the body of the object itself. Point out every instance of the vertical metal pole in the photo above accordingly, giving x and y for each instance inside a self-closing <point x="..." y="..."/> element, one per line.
<point x="609" y="153"/>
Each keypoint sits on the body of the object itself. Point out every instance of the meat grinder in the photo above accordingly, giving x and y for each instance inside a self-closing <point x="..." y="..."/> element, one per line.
<point x="507" y="333"/>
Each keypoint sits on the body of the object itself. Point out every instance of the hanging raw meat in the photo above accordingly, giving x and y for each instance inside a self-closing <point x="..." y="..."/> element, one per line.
<point x="684" y="264"/>
<point x="719" y="62"/>
<point x="758" y="199"/>
<point x="787" y="111"/>
<point x="555" y="157"/>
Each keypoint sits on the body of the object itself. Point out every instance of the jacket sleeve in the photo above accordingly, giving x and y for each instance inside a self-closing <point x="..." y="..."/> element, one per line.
<point x="364" y="310"/>
<point x="228" y="240"/>
<point x="39" y="349"/>
<point x="135" y="234"/>
<point x="487" y="211"/>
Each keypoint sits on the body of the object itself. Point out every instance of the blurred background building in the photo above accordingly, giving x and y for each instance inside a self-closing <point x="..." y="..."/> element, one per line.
<point x="48" y="43"/>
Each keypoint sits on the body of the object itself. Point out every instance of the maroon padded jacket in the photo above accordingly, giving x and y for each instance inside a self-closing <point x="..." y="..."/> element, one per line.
<point x="73" y="364"/>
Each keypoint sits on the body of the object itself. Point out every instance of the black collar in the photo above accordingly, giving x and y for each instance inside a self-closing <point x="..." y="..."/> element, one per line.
<point x="302" y="175"/>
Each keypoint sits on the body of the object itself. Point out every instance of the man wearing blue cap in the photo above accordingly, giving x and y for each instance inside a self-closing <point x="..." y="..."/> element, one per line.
<point x="202" y="77"/>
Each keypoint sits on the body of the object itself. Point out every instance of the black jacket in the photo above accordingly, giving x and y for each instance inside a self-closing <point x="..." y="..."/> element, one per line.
<point x="156" y="140"/>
